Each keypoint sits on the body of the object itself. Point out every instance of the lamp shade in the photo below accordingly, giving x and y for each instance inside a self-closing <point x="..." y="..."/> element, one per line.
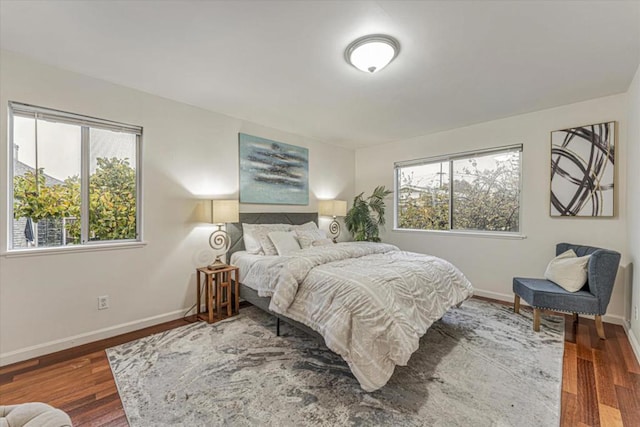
<point x="225" y="211"/>
<point x="332" y="208"/>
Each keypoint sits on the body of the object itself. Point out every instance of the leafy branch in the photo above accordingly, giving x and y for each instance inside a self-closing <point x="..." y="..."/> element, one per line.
<point x="112" y="200"/>
<point x="366" y="216"/>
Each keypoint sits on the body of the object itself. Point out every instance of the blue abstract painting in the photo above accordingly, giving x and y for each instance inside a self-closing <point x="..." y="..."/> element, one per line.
<point x="272" y="172"/>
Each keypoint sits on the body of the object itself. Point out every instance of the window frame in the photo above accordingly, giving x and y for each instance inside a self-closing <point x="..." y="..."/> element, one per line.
<point x="86" y="123"/>
<point x="450" y="158"/>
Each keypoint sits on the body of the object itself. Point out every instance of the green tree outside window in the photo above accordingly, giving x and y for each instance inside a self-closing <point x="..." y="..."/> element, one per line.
<point x="112" y="200"/>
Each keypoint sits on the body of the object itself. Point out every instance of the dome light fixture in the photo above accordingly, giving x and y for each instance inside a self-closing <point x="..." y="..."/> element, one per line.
<point x="372" y="53"/>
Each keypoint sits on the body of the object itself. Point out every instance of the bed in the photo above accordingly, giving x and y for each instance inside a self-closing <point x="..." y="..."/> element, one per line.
<point x="369" y="302"/>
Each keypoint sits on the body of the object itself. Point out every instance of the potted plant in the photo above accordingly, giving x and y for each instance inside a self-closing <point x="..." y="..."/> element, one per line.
<point x="367" y="215"/>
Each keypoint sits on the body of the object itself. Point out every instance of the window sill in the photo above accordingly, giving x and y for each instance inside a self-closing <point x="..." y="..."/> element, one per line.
<point x="72" y="249"/>
<point x="481" y="234"/>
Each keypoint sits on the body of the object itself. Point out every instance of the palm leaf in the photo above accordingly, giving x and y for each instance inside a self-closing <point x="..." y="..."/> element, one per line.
<point x="367" y="215"/>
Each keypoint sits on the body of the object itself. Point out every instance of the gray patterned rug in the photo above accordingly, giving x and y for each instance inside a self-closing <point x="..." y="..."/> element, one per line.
<point x="481" y="365"/>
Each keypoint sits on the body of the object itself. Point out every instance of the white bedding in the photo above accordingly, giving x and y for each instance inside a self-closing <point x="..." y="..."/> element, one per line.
<point x="247" y="262"/>
<point x="370" y="301"/>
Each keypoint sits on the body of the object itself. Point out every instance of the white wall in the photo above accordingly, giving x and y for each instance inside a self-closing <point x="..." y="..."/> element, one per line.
<point x="491" y="263"/>
<point x="49" y="302"/>
<point x="633" y="211"/>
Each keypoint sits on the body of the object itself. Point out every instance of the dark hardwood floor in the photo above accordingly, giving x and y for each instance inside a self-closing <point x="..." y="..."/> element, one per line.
<point x="78" y="380"/>
<point x="600" y="378"/>
<point x="600" y="381"/>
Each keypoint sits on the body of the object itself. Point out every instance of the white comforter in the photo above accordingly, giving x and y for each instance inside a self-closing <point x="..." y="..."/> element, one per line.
<point x="370" y="301"/>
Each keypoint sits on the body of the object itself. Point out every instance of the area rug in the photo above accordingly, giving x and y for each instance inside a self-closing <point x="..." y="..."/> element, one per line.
<point x="480" y="365"/>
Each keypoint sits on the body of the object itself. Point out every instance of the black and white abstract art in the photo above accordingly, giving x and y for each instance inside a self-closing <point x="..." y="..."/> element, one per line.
<point x="273" y="172"/>
<point x="583" y="171"/>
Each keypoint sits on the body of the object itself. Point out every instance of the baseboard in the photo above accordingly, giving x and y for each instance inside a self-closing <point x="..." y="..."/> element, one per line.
<point x="85" y="338"/>
<point x="495" y="295"/>
<point x="610" y="318"/>
<point x="635" y="345"/>
<point x="76" y="340"/>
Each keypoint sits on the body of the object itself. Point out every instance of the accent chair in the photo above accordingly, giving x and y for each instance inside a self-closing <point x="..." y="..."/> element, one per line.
<point x="592" y="299"/>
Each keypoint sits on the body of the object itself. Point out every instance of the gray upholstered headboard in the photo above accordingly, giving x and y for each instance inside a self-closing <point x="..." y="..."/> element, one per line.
<point x="235" y="229"/>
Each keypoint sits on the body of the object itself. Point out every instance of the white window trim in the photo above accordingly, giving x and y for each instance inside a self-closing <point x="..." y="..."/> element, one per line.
<point x="58" y="250"/>
<point x="449" y="158"/>
<point x="17" y="108"/>
<point x="466" y="233"/>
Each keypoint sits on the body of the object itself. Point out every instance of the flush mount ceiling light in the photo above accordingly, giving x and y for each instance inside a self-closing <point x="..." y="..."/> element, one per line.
<point x="372" y="53"/>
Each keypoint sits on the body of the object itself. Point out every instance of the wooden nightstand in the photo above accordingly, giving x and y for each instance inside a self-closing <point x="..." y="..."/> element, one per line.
<point x="222" y="279"/>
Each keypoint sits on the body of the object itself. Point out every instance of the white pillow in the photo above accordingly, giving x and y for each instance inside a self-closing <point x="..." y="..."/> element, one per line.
<point x="308" y="233"/>
<point x="311" y="226"/>
<point x="322" y="242"/>
<point x="268" y="248"/>
<point x="256" y="238"/>
<point x="568" y="271"/>
<point x="306" y="238"/>
<point x="251" y="241"/>
<point x="284" y="241"/>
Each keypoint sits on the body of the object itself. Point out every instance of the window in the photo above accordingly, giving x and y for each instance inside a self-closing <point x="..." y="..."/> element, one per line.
<point x="74" y="180"/>
<point x="477" y="191"/>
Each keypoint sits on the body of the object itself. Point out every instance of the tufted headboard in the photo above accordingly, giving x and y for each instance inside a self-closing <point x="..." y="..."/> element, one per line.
<point x="235" y="229"/>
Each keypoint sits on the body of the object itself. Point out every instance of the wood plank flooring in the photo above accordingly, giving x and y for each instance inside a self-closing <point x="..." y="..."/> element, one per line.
<point x="600" y="380"/>
<point x="600" y="377"/>
<point x="78" y="380"/>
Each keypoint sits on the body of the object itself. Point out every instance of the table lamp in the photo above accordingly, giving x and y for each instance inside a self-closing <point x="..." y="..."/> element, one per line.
<point x="222" y="211"/>
<point x="334" y="209"/>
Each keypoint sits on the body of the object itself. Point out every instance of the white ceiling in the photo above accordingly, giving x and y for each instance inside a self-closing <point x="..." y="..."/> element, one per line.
<point x="281" y="64"/>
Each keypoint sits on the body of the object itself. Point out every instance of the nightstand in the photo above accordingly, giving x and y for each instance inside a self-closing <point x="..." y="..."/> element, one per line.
<point x="217" y="285"/>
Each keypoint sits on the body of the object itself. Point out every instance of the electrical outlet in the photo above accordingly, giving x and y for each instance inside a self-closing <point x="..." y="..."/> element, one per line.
<point x="103" y="302"/>
<point x="635" y="312"/>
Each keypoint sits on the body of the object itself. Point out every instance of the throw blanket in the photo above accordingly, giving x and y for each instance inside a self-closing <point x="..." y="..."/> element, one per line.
<point x="370" y="301"/>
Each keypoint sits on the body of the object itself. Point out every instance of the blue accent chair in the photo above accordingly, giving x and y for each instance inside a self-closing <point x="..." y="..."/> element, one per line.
<point x="593" y="298"/>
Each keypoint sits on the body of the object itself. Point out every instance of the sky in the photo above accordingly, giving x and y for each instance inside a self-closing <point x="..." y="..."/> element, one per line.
<point x="430" y="175"/>
<point x="59" y="146"/>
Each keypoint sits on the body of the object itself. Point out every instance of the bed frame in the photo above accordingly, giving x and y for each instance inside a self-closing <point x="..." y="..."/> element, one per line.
<point x="237" y="244"/>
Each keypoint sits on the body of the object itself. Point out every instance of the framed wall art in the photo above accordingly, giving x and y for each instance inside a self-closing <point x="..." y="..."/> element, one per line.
<point x="583" y="171"/>
<point x="273" y="172"/>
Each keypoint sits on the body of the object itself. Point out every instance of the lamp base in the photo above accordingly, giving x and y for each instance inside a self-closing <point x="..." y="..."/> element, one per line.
<point x="334" y="230"/>
<point x="218" y="240"/>
<point x="217" y="264"/>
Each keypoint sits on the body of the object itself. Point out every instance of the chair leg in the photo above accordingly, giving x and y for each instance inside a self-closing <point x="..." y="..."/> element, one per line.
<point x="536" y="319"/>
<point x="600" y="328"/>
<point x="516" y="304"/>
<point x="575" y="318"/>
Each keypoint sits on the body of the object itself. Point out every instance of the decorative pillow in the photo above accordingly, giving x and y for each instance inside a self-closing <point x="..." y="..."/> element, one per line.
<point x="306" y="238"/>
<point x="256" y="237"/>
<point x="268" y="248"/>
<point x="251" y="241"/>
<point x="308" y="233"/>
<point x="568" y="271"/>
<point x="284" y="241"/>
<point x="322" y="242"/>
<point x="307" y="226"/>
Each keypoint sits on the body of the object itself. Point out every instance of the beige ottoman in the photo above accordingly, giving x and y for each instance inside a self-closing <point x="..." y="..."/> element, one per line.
<point x="33" y="415"/>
